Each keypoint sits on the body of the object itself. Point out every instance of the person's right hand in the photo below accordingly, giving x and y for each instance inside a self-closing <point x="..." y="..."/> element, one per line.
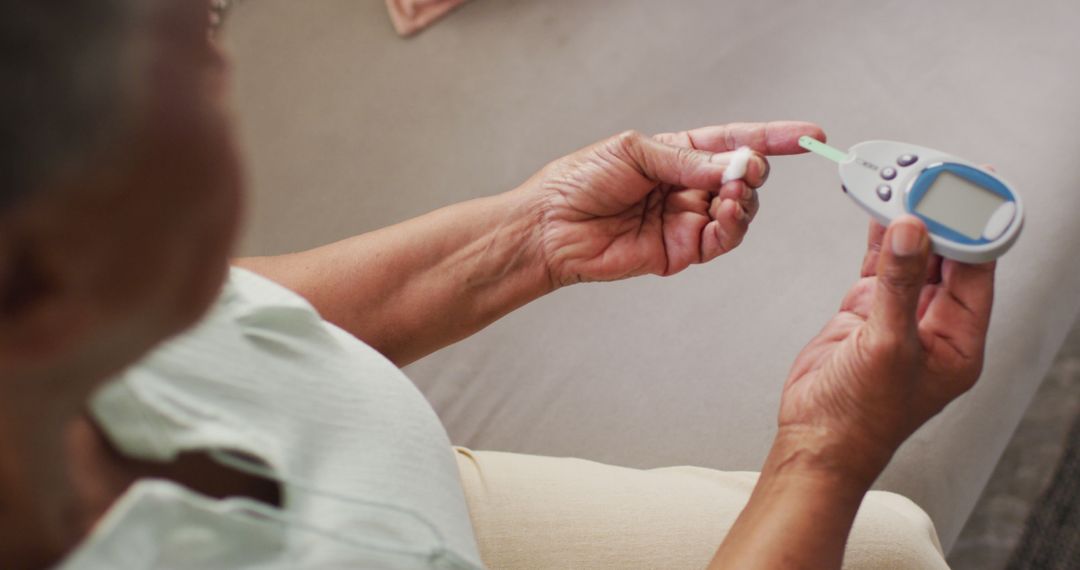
<point x="635" y="205"/>
<point x="909" y="338"/>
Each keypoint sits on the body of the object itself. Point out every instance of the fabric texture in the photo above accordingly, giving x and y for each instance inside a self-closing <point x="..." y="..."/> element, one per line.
<point x="1051" y="539"/>
<point x="160" y="525"/>
<point x="411" y="16"/>
<point x="545" y="512"/>
<point x="368" y="477"/>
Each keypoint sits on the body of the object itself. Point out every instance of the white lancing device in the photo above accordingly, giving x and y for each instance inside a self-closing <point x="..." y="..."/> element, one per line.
<point x="973" y="215"/>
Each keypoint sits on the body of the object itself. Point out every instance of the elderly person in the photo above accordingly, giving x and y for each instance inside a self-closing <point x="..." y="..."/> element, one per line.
<point x="278" y="432"/>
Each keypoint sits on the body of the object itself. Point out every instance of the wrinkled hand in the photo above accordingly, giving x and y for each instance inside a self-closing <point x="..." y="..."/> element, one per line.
<point x="909" y="338"/>
<point x="634" y="205"/>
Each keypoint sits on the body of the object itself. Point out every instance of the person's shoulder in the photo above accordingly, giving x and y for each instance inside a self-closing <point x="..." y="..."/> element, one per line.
<point x="252" y="316"/>
<point x="245" y="287"/>
<point x="250" y="299"/>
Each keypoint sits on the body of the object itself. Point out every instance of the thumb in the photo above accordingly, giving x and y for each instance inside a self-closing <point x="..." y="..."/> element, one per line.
<point x="687" y="167"/>
<point x="901" y="273"/>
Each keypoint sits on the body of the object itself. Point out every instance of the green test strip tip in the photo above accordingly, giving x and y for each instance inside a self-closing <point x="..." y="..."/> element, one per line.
<point x="817" y="147"/>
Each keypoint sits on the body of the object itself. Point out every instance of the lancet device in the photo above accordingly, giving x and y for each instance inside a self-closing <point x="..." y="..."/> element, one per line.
<point x="972" y="214"/>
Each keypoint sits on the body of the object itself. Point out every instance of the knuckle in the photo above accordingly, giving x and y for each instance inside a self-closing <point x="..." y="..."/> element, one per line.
<point x="685" y="155"/>
<point x="732" y="239"/>
<point x="876" y="346"/>
<point x="629" y="144"/>
<point x="730" y="141"/>
<point x="629" y="138"/>
<point x="901" y="279"/>
<point x="887" y="344"/>
<point x="681" y="138"/>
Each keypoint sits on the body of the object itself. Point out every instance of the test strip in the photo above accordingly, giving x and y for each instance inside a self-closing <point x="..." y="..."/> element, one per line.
<point x="817" y="147"/>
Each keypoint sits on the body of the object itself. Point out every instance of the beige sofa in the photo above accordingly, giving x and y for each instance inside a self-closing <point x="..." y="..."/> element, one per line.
<point x="350" y="128"/>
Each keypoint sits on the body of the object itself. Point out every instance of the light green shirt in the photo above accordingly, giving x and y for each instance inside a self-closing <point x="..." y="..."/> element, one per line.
<point x="368" y="474"/>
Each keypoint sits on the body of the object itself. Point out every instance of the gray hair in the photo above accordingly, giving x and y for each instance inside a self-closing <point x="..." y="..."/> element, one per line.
<point x="64" y="84"/>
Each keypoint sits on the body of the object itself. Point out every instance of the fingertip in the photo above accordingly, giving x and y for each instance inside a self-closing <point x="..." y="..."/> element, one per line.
<point x="907" y="237"/>
<point x="814" y="131"/>
<point x="758" y="171"/>
<point x="950" y="267"/>
<point x="736" y="189"/>
<point x="902" y="262"/>
<point x="792" y="132"/>
<point x="875" y="235"/>
<point x="732" y="210"/>
<point x="731" y="225"/>
<point x="711" y="241"/>
<point x="730" y="217"/>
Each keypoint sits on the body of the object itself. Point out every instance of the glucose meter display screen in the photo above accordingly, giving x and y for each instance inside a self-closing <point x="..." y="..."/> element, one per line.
<point x="960" y="205"/>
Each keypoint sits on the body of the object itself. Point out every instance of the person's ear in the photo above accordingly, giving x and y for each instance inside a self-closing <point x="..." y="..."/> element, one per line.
<point x="39" y="313"/>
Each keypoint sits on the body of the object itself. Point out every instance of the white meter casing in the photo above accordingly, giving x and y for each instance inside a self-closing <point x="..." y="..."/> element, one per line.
<point x="972" y="215"/>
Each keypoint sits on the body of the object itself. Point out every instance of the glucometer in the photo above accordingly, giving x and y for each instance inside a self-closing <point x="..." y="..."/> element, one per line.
<point x="972" y="214"/>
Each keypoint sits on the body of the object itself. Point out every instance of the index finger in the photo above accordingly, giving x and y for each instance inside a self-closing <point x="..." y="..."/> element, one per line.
<point x="873" y="249"/>
<point x="773" y="138"/>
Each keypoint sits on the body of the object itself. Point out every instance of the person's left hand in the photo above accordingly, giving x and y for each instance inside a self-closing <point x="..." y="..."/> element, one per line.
<point x="634" y="205"/>
<point x="909" y="338"/>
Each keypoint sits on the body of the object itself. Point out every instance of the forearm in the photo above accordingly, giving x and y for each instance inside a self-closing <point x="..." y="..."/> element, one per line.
<point x="801" y="510"/>
<point x="417" y="286"/>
